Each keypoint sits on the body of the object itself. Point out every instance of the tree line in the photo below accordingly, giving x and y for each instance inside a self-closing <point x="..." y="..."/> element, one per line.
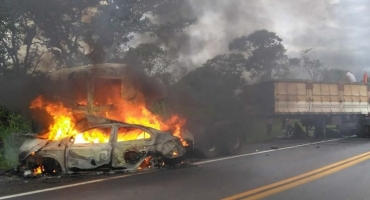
<point x="68" y="33"/>
<point x="75" y="33"/>
<point x="93" y="31"/>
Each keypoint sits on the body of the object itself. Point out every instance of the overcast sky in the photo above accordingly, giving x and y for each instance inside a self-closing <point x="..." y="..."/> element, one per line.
<point x="338" y="31"/>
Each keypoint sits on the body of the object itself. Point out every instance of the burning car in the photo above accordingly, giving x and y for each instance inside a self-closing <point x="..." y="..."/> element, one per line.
<point x="132" y="138"/>
<point x="110" y="145"/>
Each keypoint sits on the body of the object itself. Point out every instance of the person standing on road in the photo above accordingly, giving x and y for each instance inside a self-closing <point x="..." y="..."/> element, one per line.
<point x="289" y="128"/>
<point x="283" y="124"/>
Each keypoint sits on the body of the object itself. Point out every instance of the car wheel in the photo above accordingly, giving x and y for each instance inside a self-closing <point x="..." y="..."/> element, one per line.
<point x="155" y="162"/>
<point x="51" y="166"/>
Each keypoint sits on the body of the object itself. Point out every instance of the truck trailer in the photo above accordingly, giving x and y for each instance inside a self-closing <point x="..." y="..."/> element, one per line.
<point x="316" y="104"/>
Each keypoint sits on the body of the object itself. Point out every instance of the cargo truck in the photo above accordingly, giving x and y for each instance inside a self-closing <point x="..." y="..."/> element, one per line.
<point x="312" y="105"/>
<point x="316" y="104"/>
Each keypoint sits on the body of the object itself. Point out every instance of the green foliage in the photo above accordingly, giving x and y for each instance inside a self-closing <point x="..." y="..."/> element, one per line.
<point x="228" y="65"/>
<point x="210" y="92"/>
<point x="79" y="32"/>
<point x="266" y="55"/>
<point x="116" y="22"/>
<point x="150" y="57"/>
<point x="11" y="123"/>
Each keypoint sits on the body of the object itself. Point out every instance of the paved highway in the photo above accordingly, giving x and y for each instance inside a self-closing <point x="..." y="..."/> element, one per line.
<point x="335" y="169"/>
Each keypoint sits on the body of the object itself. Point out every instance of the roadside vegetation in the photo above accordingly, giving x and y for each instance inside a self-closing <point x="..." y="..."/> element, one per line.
<point x="11" y="125"/>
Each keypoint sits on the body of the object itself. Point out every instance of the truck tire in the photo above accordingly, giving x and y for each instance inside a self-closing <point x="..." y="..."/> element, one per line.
<point x="233" y="142"/>
<point x="210" y="147"/>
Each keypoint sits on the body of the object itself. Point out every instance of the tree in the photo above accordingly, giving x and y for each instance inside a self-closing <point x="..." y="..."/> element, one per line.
<point x="314" y="68"/>
<point x="266" y="54"/>
<point x="116" y="22"/>
<point x="16" y="31"/>
<point x="28" y="32"/>
<point x="62" y="31"/>
<point x="154" y="59"/>
<point x="333" y="75"/>
<point x="78" y="32"/>
<point x="232" y="64"/>
<point x="210" y="91"/>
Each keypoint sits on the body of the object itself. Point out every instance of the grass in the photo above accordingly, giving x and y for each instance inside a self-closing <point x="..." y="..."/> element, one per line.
<point x="11" y="150"/>
<point x="11" y="123"/>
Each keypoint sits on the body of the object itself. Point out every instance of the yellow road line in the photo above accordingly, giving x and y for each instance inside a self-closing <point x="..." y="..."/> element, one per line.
<point x="267" y="190"/>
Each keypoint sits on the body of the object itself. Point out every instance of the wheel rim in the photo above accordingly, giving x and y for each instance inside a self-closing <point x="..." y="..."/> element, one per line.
<point x="233" y="141"/>
<point x="212" y="148"/>
<point x="236" y="144"/>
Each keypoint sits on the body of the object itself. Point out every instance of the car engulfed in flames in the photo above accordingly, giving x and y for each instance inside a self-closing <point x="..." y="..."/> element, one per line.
<point x="111" y="145"/>
<point x="99" y="118"/>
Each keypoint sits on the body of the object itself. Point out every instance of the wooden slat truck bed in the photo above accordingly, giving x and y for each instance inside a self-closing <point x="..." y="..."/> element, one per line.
<point x="305" y="97"/>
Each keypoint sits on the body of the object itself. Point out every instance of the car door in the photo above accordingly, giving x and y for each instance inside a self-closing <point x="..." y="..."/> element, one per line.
<point x="130" y="146"/>
<point x="90" y="149"/>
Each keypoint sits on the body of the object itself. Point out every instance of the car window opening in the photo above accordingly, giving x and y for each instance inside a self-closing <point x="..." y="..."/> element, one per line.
<point x="128" y="134"/>
<point x="95" y="135"/>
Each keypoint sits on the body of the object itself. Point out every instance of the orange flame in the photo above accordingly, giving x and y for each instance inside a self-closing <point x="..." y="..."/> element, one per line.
<point x="134" y="112"/>
<point x="63" y="120"/>
<point x="38" y="170"/>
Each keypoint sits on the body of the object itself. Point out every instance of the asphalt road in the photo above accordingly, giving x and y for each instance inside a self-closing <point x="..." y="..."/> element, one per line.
<point x="285" y="173"/>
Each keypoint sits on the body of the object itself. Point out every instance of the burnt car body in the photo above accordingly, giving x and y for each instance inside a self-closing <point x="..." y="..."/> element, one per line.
<point x="119" y="150"/>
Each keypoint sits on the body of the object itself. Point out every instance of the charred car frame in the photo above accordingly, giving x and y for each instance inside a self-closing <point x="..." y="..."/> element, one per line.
<point x="126" y="147"/>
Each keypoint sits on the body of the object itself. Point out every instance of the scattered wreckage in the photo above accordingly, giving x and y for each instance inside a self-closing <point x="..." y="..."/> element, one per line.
<point x="116" y="146"/>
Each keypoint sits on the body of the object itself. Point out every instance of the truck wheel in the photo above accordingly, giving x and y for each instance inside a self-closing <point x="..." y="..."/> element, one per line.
<point x="234" y="143"/>
<point x="211" y="148"/>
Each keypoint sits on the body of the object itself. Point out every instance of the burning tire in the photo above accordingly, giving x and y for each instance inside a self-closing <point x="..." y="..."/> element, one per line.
<point x="32" y="167"/>
<point x="51" y="167"/>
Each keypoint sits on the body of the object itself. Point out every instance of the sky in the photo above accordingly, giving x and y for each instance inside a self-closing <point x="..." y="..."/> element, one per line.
<point x="336" y="30"/>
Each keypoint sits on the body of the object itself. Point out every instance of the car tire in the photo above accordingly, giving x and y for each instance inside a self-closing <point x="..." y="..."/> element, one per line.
<point x="51" y="167"/>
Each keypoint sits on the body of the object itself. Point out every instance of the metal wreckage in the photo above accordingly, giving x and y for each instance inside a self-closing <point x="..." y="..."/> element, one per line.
<point x="122" y="146"/>
<point x="113" y="129"/>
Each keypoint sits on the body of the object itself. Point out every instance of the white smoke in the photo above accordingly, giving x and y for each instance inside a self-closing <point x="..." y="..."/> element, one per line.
<point x="337" y="31"/>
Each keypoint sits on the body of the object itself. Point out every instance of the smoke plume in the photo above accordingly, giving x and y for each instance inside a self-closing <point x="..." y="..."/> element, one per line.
<point x="336" y="30"/>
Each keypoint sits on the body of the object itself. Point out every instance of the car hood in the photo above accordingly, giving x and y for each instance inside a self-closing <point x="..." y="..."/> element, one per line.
<point x="30" y="145"/>
<point x="167" y="143"/>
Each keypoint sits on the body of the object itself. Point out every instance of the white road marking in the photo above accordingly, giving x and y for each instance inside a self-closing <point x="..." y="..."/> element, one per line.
<point x="68" y="186"/>
<point x="261" y="152"/>
<point x="127" y="175"/>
